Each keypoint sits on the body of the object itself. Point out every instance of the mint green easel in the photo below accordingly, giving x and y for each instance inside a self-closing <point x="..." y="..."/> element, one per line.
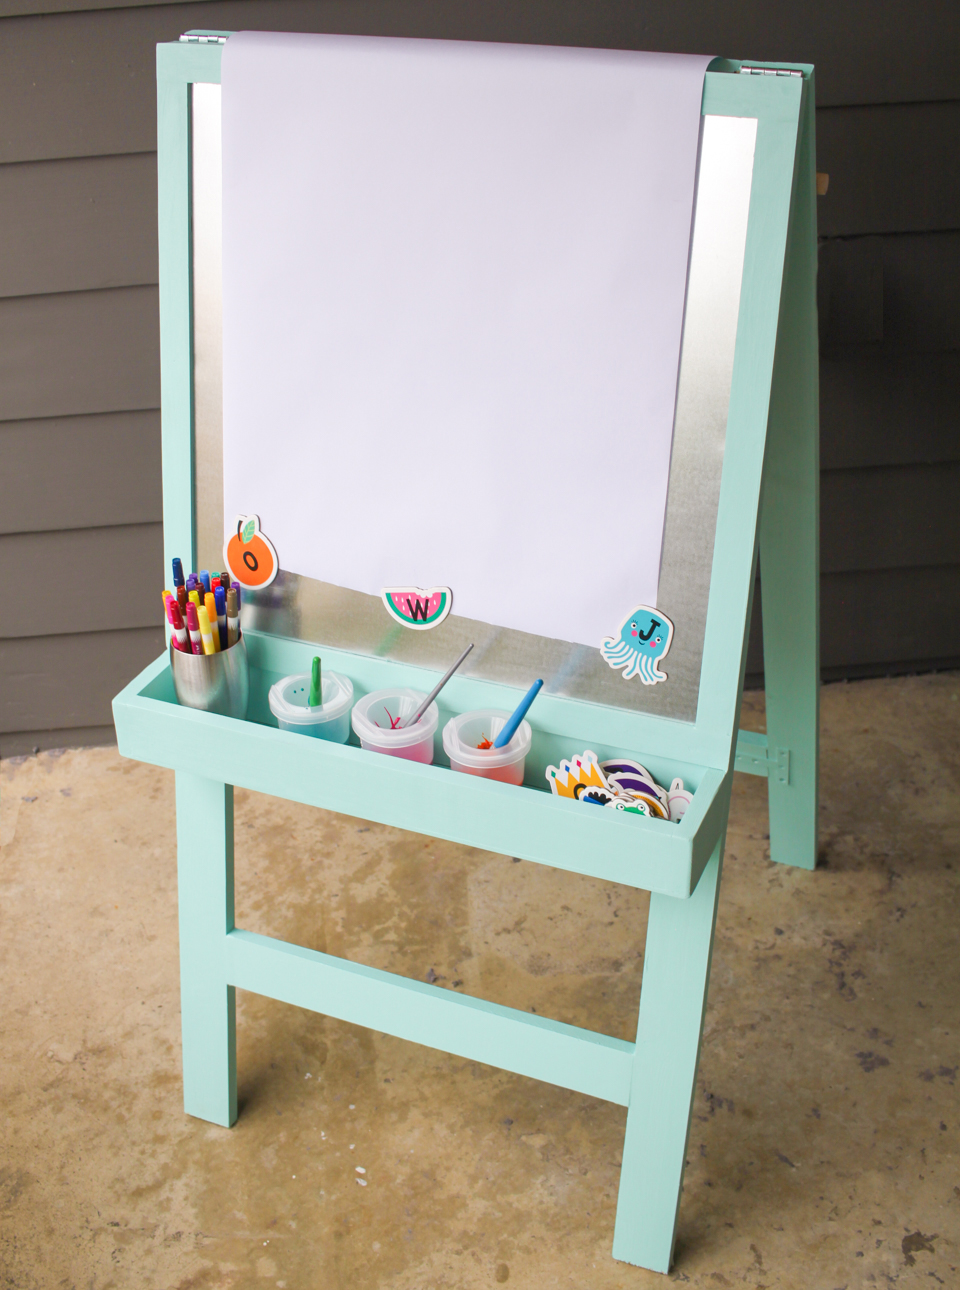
<point x="768" y="499"/>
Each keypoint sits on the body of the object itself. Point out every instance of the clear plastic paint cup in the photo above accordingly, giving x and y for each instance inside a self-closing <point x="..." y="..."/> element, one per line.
<point x="463" y="735"/>
<point x="378" y="718"/>
<point x="331" y="720"/>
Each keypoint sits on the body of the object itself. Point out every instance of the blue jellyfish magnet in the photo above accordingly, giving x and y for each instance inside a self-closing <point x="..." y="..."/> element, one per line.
<point x="643" y="640"/>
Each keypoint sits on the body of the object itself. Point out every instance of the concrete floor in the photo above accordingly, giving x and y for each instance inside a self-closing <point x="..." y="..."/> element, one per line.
<point x="824" y="1146"/>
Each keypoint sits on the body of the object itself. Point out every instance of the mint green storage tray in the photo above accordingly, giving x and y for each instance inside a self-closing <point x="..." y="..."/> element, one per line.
<point x="529" y="821"/>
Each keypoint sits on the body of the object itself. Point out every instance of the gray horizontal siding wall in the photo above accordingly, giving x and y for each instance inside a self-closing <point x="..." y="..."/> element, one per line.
<point x="79" y="379"/>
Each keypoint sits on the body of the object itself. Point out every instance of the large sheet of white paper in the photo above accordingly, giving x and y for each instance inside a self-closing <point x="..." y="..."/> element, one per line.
<point x="453" y="287"/>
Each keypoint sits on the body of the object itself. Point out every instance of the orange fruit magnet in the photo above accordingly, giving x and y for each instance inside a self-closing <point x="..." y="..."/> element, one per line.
<point x="249" y="555"/>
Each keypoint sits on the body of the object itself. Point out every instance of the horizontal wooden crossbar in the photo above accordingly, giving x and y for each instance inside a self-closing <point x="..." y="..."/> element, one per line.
<point x="751" y="756"/>
<point x="538" y="1047"/>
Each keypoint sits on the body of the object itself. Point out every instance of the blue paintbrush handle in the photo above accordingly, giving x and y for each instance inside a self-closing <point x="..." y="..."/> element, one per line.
<point x="510" y="729"/>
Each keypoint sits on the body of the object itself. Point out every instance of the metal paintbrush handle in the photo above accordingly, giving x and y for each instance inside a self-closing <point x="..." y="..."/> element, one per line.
<point x="436" y="690"/>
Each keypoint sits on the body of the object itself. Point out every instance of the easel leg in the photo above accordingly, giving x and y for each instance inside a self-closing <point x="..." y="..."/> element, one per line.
<point x="673" y="996"/>
<point x="790" y="540"/>
<point x="207" y="1003"/>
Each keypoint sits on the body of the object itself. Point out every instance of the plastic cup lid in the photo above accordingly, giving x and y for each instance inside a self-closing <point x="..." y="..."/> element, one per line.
<point x="337" y="697"/>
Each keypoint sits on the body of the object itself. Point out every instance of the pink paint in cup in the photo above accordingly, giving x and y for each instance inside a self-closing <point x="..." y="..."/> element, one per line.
<point x="378" y="723"/>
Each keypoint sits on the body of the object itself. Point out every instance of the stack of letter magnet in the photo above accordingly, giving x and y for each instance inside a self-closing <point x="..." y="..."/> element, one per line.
<point x="583" y="779"/>
<point x="622" y="784"/>
<point x="632" y="780"/>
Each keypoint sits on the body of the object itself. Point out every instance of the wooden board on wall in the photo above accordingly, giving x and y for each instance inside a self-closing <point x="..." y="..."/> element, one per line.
<point x="890" y="517"/>
<point x="88" y="351"/>
<point x="885" y="622"/>
<point x="890" y="616"/>
<point x="80" y="84"/>
<point x="892" y="168"/>
<point x="900" y="292"/>
<point x="62" y="682"/>
<point x="127" y="558"/>
<point x="883" y="410"/>
<point x="921" y="291"/>
<point x="102" y="469"/>
<point x="20" y="8"/>
<point x="82" y="224"/>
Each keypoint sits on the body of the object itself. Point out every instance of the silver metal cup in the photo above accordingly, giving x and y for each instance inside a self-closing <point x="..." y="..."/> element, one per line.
<point x="213" y="682"/>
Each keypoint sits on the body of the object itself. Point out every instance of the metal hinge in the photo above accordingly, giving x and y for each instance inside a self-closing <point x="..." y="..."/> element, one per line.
<point x="769" y="71"/>
<point x="781" y="766"/>
<point x="755" y="758"/>
<point x="202" y="38"/>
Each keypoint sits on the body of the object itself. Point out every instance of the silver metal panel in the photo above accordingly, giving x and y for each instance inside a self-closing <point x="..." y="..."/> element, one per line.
<point x="207" y="248"/>
<point x="306" y="609"/>
<point x="703" y="397"/>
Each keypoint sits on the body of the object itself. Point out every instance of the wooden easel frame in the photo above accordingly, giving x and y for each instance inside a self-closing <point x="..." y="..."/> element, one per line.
<point x="771" y="454"/>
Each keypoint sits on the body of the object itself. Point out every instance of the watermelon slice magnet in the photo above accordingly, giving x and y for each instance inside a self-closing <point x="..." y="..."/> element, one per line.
<point x="418" y="607"/>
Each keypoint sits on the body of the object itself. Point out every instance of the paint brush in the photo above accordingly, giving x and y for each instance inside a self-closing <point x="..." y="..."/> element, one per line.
<point x="519" y="712"/>
<point x="315" y="698"/>
<point x="436" y="690"/>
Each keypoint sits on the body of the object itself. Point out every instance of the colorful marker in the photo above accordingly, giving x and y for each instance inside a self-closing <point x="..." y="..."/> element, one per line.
<point x="180" y="638"/>
<point x="177" y="572"/>
<point x="210" y="605"/>
<point x="194" y="597"/>
<point x="519" y="712"/>
<point x="315" y="698"/>
<point x="233" y="618"/>
<point x="220" y="599"/>
<point x="206" y="632"/>
<point x="205" y="579"/>
<point x="168" y="600"/>
<point x="193" y="628"/>
<point x="182" y="598"/>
